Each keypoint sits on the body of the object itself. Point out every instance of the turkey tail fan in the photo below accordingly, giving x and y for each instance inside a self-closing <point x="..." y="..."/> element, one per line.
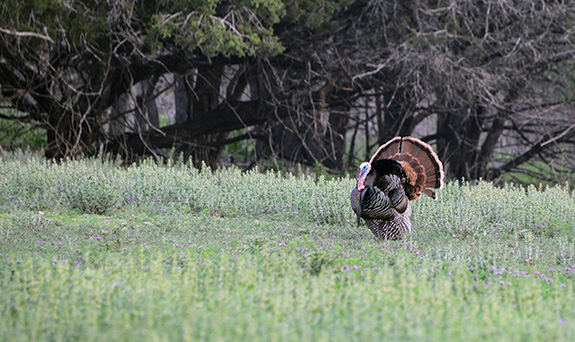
<point x="423" y="167"/>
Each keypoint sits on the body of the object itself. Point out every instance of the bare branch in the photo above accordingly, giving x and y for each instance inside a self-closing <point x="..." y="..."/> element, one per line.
<point x="27" y="34"/>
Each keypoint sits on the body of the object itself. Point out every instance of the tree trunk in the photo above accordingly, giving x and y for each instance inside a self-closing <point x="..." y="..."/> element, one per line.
<point x="206" y="98"/>
<point x="182" y="102"/>
<point x="458" y="141"/>
<point x="397" y="117"/>
<point x="489" y="145"/>
<point x="116" y="122"/>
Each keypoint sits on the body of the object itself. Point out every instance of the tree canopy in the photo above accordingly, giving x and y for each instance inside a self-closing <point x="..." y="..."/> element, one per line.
<point x="486" y="82"/>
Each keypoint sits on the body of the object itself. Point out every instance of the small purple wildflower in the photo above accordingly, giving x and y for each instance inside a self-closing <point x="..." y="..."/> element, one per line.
<point x="563" y="286"/>
<point x="116" y="284"/>
<point x="145" y="268"/>
<point x="77" y="251"/>
<point x="345" y="268"/>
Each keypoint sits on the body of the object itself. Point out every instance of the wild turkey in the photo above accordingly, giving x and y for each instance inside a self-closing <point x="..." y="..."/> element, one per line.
<point x="397" y="173"/>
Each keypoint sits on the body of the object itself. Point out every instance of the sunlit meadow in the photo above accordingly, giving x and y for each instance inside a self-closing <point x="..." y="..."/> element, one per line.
<point x="96" y="251"/>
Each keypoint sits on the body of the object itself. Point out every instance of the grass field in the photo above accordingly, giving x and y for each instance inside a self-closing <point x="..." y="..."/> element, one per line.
<point x="92" y="251"/>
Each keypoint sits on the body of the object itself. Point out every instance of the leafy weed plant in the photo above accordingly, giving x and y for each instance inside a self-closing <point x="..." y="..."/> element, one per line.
<point x="92" y="250"/>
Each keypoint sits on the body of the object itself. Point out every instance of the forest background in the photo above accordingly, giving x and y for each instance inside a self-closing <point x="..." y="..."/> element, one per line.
<point x="273" y="84"/>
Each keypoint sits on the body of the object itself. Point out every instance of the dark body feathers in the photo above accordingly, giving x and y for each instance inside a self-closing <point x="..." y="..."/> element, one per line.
<point x="398" y="173"/>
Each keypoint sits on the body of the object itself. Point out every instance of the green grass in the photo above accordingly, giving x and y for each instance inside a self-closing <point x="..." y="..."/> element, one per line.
<point x="94" y="251"/>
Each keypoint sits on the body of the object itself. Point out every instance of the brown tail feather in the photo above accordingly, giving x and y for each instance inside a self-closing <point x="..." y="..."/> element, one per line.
<point x="430" y="193"/>
<point x="424" y="169"/>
